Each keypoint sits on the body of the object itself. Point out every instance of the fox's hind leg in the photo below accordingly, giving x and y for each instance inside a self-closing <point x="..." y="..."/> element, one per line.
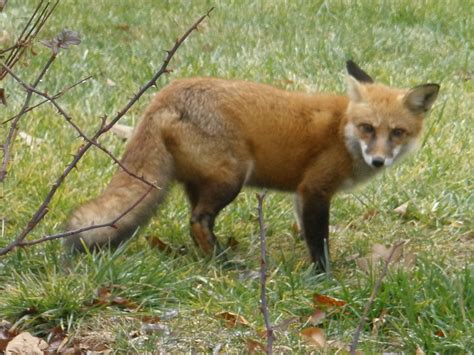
<point x="207" y="200"/>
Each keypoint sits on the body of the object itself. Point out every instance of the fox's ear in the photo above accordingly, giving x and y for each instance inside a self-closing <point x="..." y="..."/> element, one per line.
<point x="357" y="73"/>
<point x="420" y="98"/>
<point x="354" y="89"/>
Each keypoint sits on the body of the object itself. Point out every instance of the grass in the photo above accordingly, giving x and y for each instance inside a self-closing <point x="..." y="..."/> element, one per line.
<point x="296" y="45"/>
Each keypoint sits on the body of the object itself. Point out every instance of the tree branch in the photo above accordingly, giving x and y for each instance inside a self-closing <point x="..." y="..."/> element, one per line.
<point x="11" y="133"/>
<point x="43" y="208"/>
<point x="68" y="118"/>
<point x="263" y="274"/>
<point x="84" y="229"/>
<point x="33" y="26"/>
<point x="369" y="304"/>
<point x="56" y="96"/>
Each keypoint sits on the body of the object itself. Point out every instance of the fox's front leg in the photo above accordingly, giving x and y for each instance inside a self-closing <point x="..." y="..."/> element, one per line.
<point x="315" y="219"/>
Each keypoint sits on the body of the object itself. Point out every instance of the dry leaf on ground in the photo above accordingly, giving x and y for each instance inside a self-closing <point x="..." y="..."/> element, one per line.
<point x="317" y="317"/>
<point x="5" y="335"/>
<point x="110" y="82"/>
<point x="378" y="322"/>
<point x="314" y="336"/>
<point x="402" y="209"/>
<point x="380" y="252"/>
<point x="25" y="343"/>
<point x="104" y="297"/>
<point x="96" y="342"/>
<point x="323" y="300"/>
<point x="232" y="319"/>
<point x="252" y="346"/>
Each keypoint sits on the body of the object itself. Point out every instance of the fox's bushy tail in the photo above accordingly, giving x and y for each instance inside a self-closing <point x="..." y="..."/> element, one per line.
<point x="146" y="156"/>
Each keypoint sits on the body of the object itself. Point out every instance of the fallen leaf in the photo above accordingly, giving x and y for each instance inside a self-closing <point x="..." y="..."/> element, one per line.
<point x="5" y="338"/>
<point x="123" y="26"/>
<point x="124" y="302"/>
<point x="327" y="301"/>
<point x="252" y="346"/>
<point x="25" y="343"/>
<point x="368" y="215"/>
<point x="103" y="296"/>
<point x="56" y="345"/>
<point x="378" y="322"/>
<point x="150" y="319"/>
<point x="402" y="209"/>
<point x="157" y="243"/>
<point x="419" y="351"/>
<point x="232" y="319"/>
<point x="110" y="82"/>
<point x="317" y="317"/>
<point x="6" y="334"/>
<point x="314" y="336"/>
<point x="232" y="243"/>
<point x="95" y="342"/>
<point x="379" y="251"/>
<point x="440" y="333"/>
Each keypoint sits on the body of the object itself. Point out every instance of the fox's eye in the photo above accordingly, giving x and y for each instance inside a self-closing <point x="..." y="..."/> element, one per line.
<point x="366" y="128"/>
<point x="398" y="132"/>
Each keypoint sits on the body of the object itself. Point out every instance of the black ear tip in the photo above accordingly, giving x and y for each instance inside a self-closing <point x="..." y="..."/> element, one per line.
<point x="433" y="86"/>
<point x="350" y="65"/>
<point x="357" y="73"/>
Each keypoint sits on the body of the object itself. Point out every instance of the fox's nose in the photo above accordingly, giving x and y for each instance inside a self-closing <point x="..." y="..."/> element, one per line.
<point x="378" y="162"/>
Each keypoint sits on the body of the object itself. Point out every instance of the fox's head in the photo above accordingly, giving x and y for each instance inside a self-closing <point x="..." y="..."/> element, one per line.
<point x="384" y="123"/>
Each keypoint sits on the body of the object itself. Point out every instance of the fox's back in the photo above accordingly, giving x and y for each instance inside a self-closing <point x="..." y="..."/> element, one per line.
<point x="280" y="130"/>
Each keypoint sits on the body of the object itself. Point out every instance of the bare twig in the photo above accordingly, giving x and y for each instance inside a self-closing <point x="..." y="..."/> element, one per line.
<point x="84" y="229"/>
<point x="369" y="304"/>
<point x="68" y="118"/>
<point x="54" y="97"/>
<point x="43" y="208"/>
<point x="40" y="15"/>
<point x="11" y="133"/>
<point x="263" y="274"/>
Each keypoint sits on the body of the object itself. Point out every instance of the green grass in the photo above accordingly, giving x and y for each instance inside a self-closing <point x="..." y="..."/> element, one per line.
<point x="297" y="45"/>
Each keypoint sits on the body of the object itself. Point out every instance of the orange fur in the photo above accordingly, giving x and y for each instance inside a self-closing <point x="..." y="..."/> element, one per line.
<point x="215" y="136"/>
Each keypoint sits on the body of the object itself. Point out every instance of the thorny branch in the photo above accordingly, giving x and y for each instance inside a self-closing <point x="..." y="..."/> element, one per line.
<point x="54" y="97"/>
<point x="13" y="128"/>
<point x="34" y="25"/>
<point x="84" y="229"/>
<point x="43" y="208"/>
<point x="369" y="304"/>
<point x="68" y="118"/>
<point x="263" y="273"/>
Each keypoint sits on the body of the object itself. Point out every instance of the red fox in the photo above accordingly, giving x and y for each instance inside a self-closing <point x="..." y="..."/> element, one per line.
<point x="215" y="136"/>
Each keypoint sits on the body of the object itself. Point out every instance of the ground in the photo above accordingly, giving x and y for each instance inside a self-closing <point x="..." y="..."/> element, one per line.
<point x="117" y="297"/>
